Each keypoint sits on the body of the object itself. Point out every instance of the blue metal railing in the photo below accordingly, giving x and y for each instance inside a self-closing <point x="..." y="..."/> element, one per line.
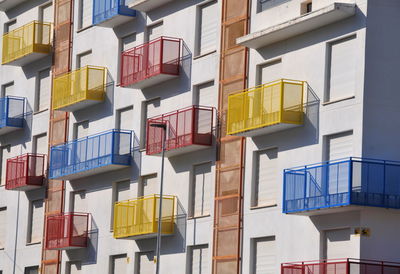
<point x="12" y="111"/>
<point x="113" y="147"/>
<point x="104" y="10"/>
<point x="350" y="181"/>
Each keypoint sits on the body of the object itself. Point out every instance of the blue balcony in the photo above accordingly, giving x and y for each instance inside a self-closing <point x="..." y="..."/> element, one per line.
<point x="12" y="114"/>
<point x="341" y="184"/>
<point x="103" y="152"/>
<point x="111" y="13"/>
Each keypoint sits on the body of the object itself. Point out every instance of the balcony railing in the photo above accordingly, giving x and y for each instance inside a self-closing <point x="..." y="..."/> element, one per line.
<point x="151" y="63"/>
<point x="27" y="43"/>
<point x="67" y="231"/>
<point x="139" y="218"/>
<point x="188" y="130"/>
<point x="79" y="89"/>
<point x="266" y="108"/>
<point x="25" y="172"/>
<point x="341" y="266"/>
<point x="353" y="181"/>
<point x="12" y="113"/>
<point x="111" y="13"/>
<point x="94" y="154"/>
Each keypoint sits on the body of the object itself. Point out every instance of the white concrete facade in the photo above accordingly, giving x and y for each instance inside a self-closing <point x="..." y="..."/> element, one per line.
<point x="369" y="112"/>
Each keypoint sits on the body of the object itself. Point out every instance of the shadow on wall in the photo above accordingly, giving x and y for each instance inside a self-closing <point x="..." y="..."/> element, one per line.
<point x="301" y="136"/>
<point x="28" y="5"/>
<point x="170" y="8"/>
<point x="173" y="244"/>
<point x="178" y="85"/>
<point x="87" y="255"/>
<point x="103" y="109"/>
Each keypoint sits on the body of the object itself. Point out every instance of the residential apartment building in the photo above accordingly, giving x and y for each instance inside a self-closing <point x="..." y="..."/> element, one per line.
<point x="277" y="118"/>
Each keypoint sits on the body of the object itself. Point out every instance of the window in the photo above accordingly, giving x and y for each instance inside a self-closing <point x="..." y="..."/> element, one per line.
<point x="40" y="144"/>
<point x="265" y="177"/>
<point x="201" y="190"/>
<point x="306" y="7"/>
<point x="154" y="31"/>
<point x="205" y="94"/>
<point x="73" y="268"/>
<point x="119" y="264"/>
<point x="338" y="146"/>
<point x="85" y="13"/>
<point x="269" y="72"/>
<point x="36" y="217"/>
<point x="125" y="118"/>
<point x="337" y="243"/>
<point x="81" y="129"/>
<point x="144" y="263"/>
<point x="5" y="153"/>
<point x="150" y="109"/>
<point x="78" y="201"/>
<point x="9" y="26"/>
<point x="206" y="38"/>
<point x="31" y="270"/>
<point x="3" y="227"/>
<point x="43" y="90"/>
<point x="264" y="256"/>
<point x="84" y="59"/>
<point x="121" y="192"/>
<point x="341" y="70"/>
<point x="7" y="89"/>
<point x="148" y="185"/>
<point x="198" y="259"/>
<point x="46" y="13"/>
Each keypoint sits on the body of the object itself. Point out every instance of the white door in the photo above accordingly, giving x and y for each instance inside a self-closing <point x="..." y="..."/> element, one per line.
<point x="337" y="243"/>
<point x="150" y="185"/>
<point x="37" y="217"/>
<point x="125" y="118"/>
<point x="44" y="86"/>
<point x="200" y="260"/>
<point x="154" y="31"/>
<point x="339" y="146"/>
<point x="266" y="177"/>
<point x="270" y="72"/>
<point x="120" y="264"/>
<point x="146" y="263"/>
<point x="79" y="202"/>
<point x="203" y="184"/>
<point x="46" y="13"/>
<point x="207" y="95"/>
<point x="5" y="154"/>
<point x="3" y="227"/>
<point x="40" y="144"/>
<point x="265" y="261"/>
<point x="208" y="28"/>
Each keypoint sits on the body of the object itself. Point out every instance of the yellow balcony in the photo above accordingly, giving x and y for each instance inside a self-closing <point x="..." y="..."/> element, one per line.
<point x="139" y="218"/>
<point x="79" y="89"/>
<point x="27" y="43"/>
<point x="266" y="108"/>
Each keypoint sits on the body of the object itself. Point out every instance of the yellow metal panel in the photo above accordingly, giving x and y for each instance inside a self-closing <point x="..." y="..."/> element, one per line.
<point x="34" y="37"/>
<point x="140" y="216"/>
<point x="266" y="105"/>
<point x="87" y="83"/>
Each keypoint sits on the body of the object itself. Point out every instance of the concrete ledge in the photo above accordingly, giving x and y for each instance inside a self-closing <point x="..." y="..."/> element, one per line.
<point x="299" y="25"/>
<point x="147" y="5"/>
<point x="9" y="4"/>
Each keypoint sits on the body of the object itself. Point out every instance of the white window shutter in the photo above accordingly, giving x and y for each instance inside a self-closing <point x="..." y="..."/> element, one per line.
<point x="202" y="189"/>
<point x="3" y="227"/>
<point x="123" y="191"/>
<point x="75" y="268"/>
<point x="155" y="31"/>
<point x="266" y="177"/>
<point x="80" y="202"/>
<point x="37" y="221"/>
<point x="207" y="94"/>
<point x="270" y="72"/>
<point x="5" y="153"/>
<point x="86" y="13"/>
<point x="342" y="68"/>
<point x="150" y="185"/>
<point x="120" y="264"/>
<point x="9" y="89"/>
<point x="340" y="146"/>
<point x="44" y="90"/>
<point x="153" y="108"/>
<point x="41" y="144"/>
<point x="199" y="260"/>
<point x="82" y="129"/>
<point x="85" y="59"/>
<point x="265" y="257"/>
<point x="47" y="13"/>
<point x="125" y="118"/>
<point x="208" y="28"/>
<point x="128" y="42"/>
<point x="338" y="243"/>
<point x="146" y="263"/>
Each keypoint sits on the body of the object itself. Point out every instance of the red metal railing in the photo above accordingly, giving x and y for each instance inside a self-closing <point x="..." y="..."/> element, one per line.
<point x="67" y="230"/>
<point x="185" y="127"/>
<point x="24" y="171"/>
<point x="159" y="56"/>
<point x="341" y="266"/>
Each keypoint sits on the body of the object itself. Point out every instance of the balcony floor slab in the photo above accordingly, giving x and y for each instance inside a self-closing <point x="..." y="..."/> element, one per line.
<point x="154" y="80"/>
<point x="115" y="21"/>
<point x="182" y="150"/>
<point x="266" y="130"/>
<point x="27" y="59"/>
<point x="79" y="105"/>
<point x="90" y="172"/>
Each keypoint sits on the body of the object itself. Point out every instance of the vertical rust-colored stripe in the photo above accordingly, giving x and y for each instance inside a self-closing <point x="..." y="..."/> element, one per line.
<point x="58" y="125"/>
<point x="228" y="213"/>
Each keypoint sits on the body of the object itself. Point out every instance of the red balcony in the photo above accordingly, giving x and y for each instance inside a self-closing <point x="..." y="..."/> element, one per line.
<point x="25" y="172"/>
<point x="341" y="266"/>
<point x="67" y="231"/>
<point x="188" y="130"/>
<point x="151" y="63"/>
